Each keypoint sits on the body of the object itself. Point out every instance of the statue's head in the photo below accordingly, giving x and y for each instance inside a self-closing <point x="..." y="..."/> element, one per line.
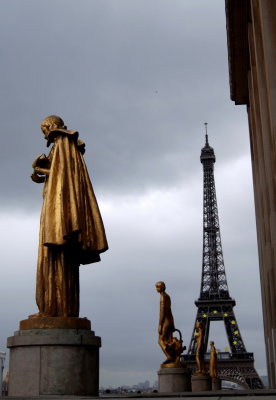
<point x="160" y="286"/>
<point x="212" y="343"/>
<point x="199" y="325"/>
<point x="51" y="123"/>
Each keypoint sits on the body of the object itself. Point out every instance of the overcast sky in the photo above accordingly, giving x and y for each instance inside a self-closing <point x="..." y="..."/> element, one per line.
<point x="137" y="79"/>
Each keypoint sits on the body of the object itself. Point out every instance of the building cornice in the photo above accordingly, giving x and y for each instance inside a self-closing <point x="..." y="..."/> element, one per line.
<point x="237" y="15"/>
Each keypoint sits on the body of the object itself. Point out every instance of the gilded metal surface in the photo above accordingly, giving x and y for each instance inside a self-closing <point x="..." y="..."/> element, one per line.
<point x="213" y="364"/>
<point x="71" y="227"/>
<point x="170" y="345"/>
<point x="200" y="350"/>
<point x="55" y="323"/>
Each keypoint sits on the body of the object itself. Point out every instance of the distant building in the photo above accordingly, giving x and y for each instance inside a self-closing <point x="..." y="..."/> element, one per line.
<point x="251" y="36"/>
<point x="141" y="387"/>
<point x="5" y="384"/>
<point x="2" y="361"/>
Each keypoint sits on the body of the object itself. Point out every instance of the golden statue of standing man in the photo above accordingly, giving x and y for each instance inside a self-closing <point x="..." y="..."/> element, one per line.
<point x="71" y="227"/>
<point x="213" y="365"/>
<point x="171" y="346"/>
<point x="200" y="350"/>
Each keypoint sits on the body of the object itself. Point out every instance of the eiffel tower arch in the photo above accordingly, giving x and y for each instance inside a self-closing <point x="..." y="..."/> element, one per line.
<point x="214" y="302"/>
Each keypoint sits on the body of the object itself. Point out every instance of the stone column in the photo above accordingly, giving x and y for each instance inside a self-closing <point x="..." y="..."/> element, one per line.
<point x="262" y="121"/>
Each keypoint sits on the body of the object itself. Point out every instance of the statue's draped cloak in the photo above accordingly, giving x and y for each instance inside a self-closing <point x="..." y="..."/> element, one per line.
<point x="71" y="227"/>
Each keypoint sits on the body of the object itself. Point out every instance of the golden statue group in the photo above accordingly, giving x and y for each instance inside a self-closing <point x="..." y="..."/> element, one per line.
<point x="71" y="227"/>
<point x="173" y="347"/>
<point x="200" y="353"/>
<point x="72" y="233"/>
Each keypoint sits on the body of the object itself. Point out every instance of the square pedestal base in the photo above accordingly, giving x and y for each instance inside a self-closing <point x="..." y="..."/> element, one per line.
<point x="216" y="384"/>
<point x="201" y="383"/>
<point x="174" y="380"/>
<point x="54" y="362"/>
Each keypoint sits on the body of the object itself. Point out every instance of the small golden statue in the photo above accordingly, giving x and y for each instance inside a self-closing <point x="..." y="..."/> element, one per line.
<point x="171" y="346"/>
<point x="71" y="227"/>
<point x="213" y="369"/>
<point x="200" y="350"/>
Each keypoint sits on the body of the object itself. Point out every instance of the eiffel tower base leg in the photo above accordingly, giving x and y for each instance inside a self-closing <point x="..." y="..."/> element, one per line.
<point x="216" y="384"/>
<point x="174" y="380"/>
<point x="201" y="383"/>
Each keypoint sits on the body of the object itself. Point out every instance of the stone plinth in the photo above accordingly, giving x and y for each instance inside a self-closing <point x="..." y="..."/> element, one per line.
<point x="216" y="384"/>
<point x="201" y="383"/>
<point x="174" y="380"/>
<point x="54" y="362"/>
<point x="54" y="323"/>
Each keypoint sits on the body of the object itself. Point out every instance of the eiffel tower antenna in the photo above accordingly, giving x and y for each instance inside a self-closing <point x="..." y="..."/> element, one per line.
<point x="214" y="302"/>
<point x="206" y="134"/>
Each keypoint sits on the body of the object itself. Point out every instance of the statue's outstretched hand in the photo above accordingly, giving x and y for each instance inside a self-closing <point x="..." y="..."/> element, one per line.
<point x="41" y="166"/>
<point x="37" y="178"/>
<point x="41" y="161"/>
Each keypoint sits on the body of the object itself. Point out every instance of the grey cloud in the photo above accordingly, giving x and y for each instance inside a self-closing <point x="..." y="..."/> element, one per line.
<point x="137" y="82"/>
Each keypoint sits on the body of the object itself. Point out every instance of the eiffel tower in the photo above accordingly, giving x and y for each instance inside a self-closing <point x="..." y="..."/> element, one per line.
<point x="214" y="302"/>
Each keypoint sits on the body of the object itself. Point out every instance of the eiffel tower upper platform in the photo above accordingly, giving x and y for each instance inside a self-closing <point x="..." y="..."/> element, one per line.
<point x="214" y="302"/>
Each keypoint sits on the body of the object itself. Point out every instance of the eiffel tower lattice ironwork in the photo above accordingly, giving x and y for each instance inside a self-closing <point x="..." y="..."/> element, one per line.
<point x="215" y="303"/>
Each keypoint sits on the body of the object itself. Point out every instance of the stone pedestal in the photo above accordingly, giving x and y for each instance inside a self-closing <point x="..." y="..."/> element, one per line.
<point x="216" y="384"/>
<point x="54" y="362"/>
<point x="174" y="380"/>
<point x="201" y="383"/>
<point x="54" y="323"/>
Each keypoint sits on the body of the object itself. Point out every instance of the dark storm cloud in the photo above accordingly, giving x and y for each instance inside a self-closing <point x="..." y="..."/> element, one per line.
<point x="137" y="79"/>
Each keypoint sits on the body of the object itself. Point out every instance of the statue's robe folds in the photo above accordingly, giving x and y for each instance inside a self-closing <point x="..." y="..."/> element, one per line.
<point x="71" y="227"/>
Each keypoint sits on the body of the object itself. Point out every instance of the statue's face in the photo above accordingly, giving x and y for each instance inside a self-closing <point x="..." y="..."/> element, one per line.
<point x="45" y="128"/>
<point x="50" y="123"/>
<point x="159" y="287"/>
